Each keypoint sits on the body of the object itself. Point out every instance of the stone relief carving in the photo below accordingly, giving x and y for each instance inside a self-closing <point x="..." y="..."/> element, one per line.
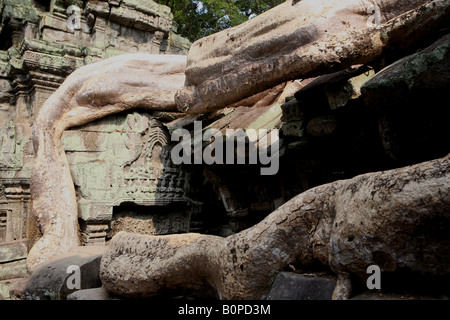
<point x="8" y="146"/>
<point x="151" y="177"/>
<point x="123" y="159"/>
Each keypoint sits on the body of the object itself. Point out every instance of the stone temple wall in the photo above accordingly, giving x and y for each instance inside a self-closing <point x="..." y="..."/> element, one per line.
<point x="122" y="160"/>
<point x="41" y="43"/>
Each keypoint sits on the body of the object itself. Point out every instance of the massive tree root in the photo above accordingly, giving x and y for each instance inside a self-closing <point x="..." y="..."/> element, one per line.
<point x="398" y="220"/>
<point x="302" y="39"/>
<point x="90" y="93"/>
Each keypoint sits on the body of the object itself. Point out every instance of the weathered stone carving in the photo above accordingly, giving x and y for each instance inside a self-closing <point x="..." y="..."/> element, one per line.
<point x="14" y="190"/>
<point x="3" y="220"/>
<point x="90" y="93"/>
<point x="120" y="160"/>
<point x="299" y="39"/>
<point x="347" y="225"/>
<point x="152" y="178"/>
<point x="14" y="204"/>
<point x="400" y="91"/>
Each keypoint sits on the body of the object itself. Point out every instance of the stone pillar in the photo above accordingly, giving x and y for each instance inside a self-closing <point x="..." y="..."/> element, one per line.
<point x="42" y="87"/>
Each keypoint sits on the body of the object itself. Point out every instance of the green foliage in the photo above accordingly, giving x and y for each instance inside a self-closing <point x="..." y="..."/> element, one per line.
<point x="197" y="19"/>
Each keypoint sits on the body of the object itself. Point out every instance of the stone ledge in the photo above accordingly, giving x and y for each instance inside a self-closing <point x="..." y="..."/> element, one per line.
<point x="6" y="286"/>
<point x="91" y="294"/>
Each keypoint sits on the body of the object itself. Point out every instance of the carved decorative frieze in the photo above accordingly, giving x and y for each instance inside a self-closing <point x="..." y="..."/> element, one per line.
<point x="3" y="224"/>
<point x="151" y="179"/>
<point x="14" y="204"/>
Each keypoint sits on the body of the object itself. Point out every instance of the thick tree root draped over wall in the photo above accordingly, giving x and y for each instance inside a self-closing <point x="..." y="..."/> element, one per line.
<point x="299" y="40"/>
<point x="90" y="93"/>
<point x="398" y="220"/>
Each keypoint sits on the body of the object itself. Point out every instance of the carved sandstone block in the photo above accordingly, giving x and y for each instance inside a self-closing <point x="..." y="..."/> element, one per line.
<point x="92" y="92"/>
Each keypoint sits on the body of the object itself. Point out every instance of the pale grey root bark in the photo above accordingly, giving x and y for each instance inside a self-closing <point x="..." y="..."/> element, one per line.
<point x="398" y="220"/>
<point x="90" y="93"/>
<point x="298" y="40"/>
